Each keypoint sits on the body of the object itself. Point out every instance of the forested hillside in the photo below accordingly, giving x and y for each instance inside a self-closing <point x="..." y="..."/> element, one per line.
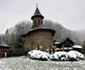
<point x="13" y="35"/>
<point x="61" y="33"/>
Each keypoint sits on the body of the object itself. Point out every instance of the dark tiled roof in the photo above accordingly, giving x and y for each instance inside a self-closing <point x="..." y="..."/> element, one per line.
<point x="60" y="42"/>
<point x="3" y="44"/>
<point x="39" y="27"/>
<point x="68" y="39"/>
<point x="37" y="13"/>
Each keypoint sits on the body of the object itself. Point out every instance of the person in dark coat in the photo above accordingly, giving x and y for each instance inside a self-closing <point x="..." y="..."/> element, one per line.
<point x="50" y="49"/>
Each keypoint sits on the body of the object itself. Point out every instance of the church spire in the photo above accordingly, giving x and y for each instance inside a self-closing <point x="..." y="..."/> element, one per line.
<point x="37" y="17"/>
<point x="37" y="13"/>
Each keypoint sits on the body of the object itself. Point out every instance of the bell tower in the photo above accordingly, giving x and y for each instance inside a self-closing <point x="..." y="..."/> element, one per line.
<point x="37" y="18"/>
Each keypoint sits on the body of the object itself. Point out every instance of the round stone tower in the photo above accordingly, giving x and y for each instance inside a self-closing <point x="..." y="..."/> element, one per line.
<point x="39" y="37"/>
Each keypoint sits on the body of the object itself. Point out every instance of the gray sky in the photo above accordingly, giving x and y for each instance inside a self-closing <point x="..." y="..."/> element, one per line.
<point x="69" y="13"/>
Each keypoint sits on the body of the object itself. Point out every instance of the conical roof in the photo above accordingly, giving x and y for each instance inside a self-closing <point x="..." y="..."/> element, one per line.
<point x="37" y="14"/>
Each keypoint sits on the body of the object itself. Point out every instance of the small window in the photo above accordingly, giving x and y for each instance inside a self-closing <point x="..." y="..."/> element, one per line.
<point x="35" y="22"/>
<point x="39" y="21"/>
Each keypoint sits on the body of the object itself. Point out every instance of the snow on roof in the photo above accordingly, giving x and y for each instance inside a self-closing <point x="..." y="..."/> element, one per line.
<point x="77" y="46"/>
<point x="3" y="44"/>
<point x="75" y="54"/>
<point x="38" y="54"/>
<point x="57" y="42"/>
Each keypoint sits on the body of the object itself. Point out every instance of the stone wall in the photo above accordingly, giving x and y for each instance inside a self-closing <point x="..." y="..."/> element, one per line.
<point x="42" y="38"/>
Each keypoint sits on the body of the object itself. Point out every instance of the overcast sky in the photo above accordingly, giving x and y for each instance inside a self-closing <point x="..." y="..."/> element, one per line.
<point x="69" y="13"/>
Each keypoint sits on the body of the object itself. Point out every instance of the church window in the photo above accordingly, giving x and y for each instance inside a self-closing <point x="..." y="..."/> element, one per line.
<point x="35" y="22"/>
<point x="39" y="21"/>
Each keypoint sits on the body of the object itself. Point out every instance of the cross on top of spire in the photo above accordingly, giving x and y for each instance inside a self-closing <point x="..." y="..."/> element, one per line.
<point x="36" y="5"/>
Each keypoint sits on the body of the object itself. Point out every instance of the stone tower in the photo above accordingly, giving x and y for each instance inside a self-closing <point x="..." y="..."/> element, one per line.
<point x="37" y="18"/>
<point x="39" y="37"/>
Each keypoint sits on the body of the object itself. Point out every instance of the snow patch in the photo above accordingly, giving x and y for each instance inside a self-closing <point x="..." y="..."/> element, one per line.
<point x="77" y="46"/>
<point x="37" y="54"/>
<point x="63" y="56"/>
<point x="59" y="55"/>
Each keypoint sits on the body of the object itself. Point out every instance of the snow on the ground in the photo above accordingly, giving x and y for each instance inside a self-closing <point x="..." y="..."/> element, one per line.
<point x="37" y="54"/>
<point x="75" y="54"/>
<point x="71" y="55"/>
<point x="79" y="55"/>
<point x="59" y="55"/>
<point x="24" y="63"/>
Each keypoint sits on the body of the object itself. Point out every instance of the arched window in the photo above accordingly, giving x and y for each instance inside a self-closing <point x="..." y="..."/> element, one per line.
<point x="39" y="21"/>
<point x="35" y="22"/>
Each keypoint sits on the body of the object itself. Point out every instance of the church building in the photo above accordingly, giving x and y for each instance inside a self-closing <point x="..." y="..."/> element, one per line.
<point x="39" y="37"/>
